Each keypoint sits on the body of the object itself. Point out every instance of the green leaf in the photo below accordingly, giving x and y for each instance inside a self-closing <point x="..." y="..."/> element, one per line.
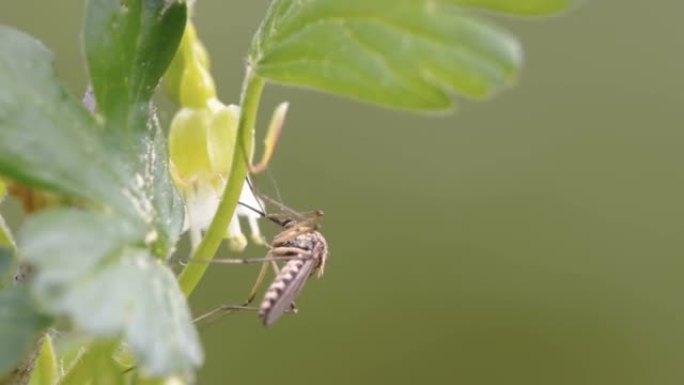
<point x="47" y="138"/>
<point x="20" y="326"/>
<point x="96" y="266"/>
<point x="400" y="53"/>
<point x="85" y="271"/>
<point x="65" y="244"/>
<point x="45" y="371"/>
<point x="158" y="189"/>
<point x="132" y="42"/>
<point x="129" y="45"/>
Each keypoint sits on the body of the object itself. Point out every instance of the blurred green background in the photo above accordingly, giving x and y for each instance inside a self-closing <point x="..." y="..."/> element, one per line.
<point x="533" y="239"/>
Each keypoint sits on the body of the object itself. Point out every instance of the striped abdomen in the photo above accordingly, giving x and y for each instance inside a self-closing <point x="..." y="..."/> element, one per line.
<point x="310" y="256"/>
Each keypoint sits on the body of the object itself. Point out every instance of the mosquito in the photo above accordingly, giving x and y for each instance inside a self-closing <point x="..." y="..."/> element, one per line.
<point x="304" y="250"/>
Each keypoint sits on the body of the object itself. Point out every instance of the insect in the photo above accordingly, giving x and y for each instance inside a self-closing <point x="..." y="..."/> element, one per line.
<point x="308" y="252"/>
<point x="304" y="250"/>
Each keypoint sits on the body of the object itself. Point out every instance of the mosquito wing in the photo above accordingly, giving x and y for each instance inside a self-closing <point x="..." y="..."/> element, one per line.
<point x="284" y="289"/>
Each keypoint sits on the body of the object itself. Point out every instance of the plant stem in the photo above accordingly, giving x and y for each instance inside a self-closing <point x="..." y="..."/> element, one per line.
<point x="251" y="96"/>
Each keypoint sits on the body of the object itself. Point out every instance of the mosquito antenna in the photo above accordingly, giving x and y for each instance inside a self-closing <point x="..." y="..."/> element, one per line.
<point x="282" y="206"/>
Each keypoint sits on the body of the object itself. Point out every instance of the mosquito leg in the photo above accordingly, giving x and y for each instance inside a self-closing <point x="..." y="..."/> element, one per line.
<point x="227" y="309"/>
<point x="257" y="283"/>
<point x="230" y="308"/>
<point x="223" y="310"/>
<point x="247" y="308"/>
<point x="237" y="261"/>
<point x="208" y="315"/>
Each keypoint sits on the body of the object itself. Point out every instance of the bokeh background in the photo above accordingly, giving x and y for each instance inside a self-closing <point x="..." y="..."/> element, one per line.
<point x="532" y="239"/>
